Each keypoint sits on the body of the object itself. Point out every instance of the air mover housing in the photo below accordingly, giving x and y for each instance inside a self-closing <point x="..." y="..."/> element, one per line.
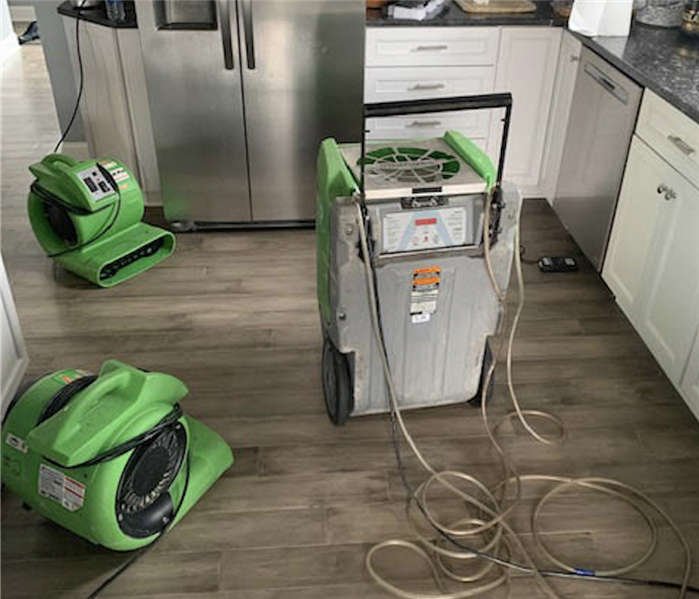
<point x="87" y="216"/>
<point x="109" y="457"/>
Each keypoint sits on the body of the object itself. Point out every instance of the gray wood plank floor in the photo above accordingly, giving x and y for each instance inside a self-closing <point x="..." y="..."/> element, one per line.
<point x="293" y="518"/>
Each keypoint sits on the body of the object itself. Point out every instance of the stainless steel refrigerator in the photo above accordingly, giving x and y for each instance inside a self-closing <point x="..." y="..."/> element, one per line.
<point x="241" y="93"/>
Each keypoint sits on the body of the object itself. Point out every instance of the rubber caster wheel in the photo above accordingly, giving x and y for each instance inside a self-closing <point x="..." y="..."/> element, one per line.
<point x="337" y="384"/>
<point x="477" y="399"/>
<point x="182" y="226"/>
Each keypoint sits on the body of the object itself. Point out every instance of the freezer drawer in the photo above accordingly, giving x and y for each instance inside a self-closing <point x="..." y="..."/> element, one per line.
<point x="602" y="119"/>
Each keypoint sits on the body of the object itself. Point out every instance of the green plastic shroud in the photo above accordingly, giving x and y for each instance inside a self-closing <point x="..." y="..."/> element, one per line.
<point x="335" y="180"/>
<point x="105" y="231"/>
<point x="120" y="404"/>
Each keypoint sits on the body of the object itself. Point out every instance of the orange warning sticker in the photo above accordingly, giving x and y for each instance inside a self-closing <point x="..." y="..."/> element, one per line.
<point x="430" y="269"/>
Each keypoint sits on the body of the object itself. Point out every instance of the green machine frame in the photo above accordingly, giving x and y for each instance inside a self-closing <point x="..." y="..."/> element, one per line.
<point x="72" y="446"/>
<point x="95" y="233"/>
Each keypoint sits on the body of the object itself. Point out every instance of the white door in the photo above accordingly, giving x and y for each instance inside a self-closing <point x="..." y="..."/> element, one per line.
<point x="669" y="313"/>
<point x="566" y="72"/>
<point x="526" y="68"/>
<point x="14" y="353"/>
<point x="633" y="231"/>
<point x="690" y="381"/>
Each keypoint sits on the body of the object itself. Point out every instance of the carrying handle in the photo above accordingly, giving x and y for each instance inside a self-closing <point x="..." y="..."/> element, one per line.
<point x="53" y="160"/>
<point x="105" y="384"/>
<point x="437" y="105"/>
<point x="224" y="16"/>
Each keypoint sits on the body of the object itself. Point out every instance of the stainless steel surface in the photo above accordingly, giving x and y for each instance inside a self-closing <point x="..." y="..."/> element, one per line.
<point x="198" y="126"/>
<point x="683" y="146"/>
<point x="602" y="119"/>
<point x="224" y="9"/>
<point x="246" y="8"/>
<point x="239" y="145"/>
<point x="185" y="13"/>
<point x="307" y="85"/>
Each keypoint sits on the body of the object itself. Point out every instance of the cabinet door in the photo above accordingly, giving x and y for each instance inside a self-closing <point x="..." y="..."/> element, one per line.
<point x="634" y="228"/>
<point x="669" y="313"/>
<point x="566" y="72"/>
<point x="690" y="381"/>
<point x="526" y="68"/>
<point x="14" y="354"/>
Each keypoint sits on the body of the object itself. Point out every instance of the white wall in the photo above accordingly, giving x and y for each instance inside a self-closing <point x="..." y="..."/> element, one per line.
<point x="8" y="39"/>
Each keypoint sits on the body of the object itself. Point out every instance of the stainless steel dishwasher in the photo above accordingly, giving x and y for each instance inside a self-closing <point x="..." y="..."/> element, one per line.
<point x="602" y="120"/>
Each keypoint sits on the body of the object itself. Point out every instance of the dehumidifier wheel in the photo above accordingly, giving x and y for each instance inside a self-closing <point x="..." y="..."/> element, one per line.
<point x="487" y="361"/>
<point x="337" y="384"/>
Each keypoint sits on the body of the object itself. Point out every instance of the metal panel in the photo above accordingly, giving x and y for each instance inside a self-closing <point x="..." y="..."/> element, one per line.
<point x="303" y="73"/>
<point x="602" y="119"/>
<point x="197" y="113"/>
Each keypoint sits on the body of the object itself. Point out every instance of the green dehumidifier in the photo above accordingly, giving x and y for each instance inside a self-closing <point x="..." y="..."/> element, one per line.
<point x="109" y="457"/>
<point x="87" y="216"/>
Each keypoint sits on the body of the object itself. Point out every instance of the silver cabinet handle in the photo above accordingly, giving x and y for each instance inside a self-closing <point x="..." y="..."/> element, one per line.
<point x="425" y="124"/>
<point x="670" y="194"/>
<point x="574" y="58"/>
<point x="224" y="16"/>
<point x="246" y="6"/>
<point x="429" y="48"/>
<point x="682" y="145"/>
<point x="426" y="86"/>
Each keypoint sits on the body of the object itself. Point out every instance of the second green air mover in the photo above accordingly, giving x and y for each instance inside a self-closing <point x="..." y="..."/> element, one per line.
<point x="87" y="216"/>
<point x="110" y="457"/>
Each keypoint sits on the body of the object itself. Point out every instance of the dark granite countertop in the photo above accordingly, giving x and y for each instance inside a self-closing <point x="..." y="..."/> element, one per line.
<point x="660" y="59"/>
<point x="98" y="15"/>
<point x="453" y="16"/>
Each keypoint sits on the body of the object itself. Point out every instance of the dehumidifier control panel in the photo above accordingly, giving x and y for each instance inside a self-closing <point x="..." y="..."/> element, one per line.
<point x="95" y="183"/>
<point x="412" y="230"/>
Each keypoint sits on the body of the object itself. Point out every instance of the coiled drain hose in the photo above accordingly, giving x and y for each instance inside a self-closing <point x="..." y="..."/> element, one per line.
<point x="499" y="542"/>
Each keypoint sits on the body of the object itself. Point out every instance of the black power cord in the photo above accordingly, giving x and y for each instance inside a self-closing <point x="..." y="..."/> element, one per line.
<point x="49" y="198"/>
<point x="78" y="18"/>
<point x="583" y="575"/>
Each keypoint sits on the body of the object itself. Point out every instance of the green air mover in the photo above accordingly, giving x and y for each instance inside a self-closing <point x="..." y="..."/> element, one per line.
<point x="110" y="457"/>
<point x="87" y="215"/>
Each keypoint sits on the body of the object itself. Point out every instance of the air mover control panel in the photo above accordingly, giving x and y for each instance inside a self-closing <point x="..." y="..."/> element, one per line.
<point x="95" y="183"/>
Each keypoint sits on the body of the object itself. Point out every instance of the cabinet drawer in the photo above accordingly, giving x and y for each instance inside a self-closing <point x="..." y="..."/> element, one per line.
<point x="473" y="125"/>
<point x="431" y="46"/>
<point x="385" y="84"/>
<point x="670" y="133"/>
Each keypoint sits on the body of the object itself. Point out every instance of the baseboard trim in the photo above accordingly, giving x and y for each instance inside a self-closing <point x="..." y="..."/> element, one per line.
<point x="76" y="149"/>
<point x="22" y="14"/>
<point x="8" y="48"/>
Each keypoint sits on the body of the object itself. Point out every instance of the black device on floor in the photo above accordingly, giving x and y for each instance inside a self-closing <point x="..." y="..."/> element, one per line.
<point x="557" y="264"/>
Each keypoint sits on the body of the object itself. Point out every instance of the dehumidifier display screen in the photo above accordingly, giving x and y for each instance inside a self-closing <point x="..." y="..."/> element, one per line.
<point x="408" y="231"/>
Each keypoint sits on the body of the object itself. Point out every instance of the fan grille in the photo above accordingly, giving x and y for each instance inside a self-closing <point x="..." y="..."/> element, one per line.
<point x="150" y="471"/>
<point x="415" y="166"/>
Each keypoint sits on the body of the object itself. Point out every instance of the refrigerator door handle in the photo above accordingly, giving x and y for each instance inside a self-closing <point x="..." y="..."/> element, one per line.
<point x="224" y="16"/>
<point x="246" y="6"/>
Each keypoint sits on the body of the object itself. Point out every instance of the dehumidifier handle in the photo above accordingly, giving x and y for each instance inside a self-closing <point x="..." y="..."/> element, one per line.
<point x="436" y="105"/>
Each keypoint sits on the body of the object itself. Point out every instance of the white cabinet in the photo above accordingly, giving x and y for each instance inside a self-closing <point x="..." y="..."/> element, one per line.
<point x="527" y="69"/>
<point x="652" y="263"/>
<point x="114" y="105"/>
<point x="405" y="63"/>
<point x="689" y="386"/>
<point x="566" y="73"/>
<point x="431" y="46"/>
<point x="14" y="353"/>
